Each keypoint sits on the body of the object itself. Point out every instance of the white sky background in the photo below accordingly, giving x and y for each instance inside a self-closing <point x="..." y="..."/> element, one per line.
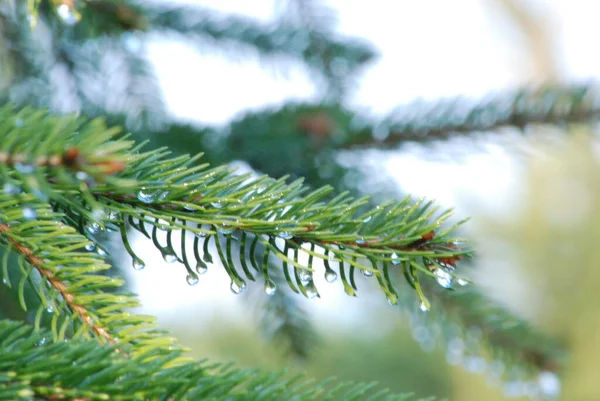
<point x="428" y="49"/>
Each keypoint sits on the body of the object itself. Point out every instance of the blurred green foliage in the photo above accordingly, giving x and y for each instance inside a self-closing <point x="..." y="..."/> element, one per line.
<point x="390" y="358"/>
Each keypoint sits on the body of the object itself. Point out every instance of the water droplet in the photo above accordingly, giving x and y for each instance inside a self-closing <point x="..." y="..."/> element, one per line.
<point x="270" y="288"/>
<point x="82" y="176"/>
<point x="138" y="264"/>
<point x="367" y="219"/>
<point x="208" y="258"/>
<point x="360" y="241"/>
<point x="192" y="278"/>
<point x="453" y="358"/>
<point x="32" y="20"/>
<point x="4" y="281"/>
<point x="305" y="276"/>
<point x="24" y="168"/>
<point x="38" y="193"/>
<point x="462" y="281"/>
<point x="68" y="15"/>
<point x="285" y="235"/>
<point x="217" y="205"/>
<point x="549" y="384"/>
<point x="162" y="225"/>
<point x="90" y="247"/>
<point x="497" y="368"/>
<point x="532" y="390"/>
<point x="330" y="276"/>
<point x="366" y="273"/>
<point x="201" y="268"/>
<point x="392" y="299"/>
<point x="311" y="291"/>
<point x="11" y="189"/>
<point x="147" y="196"/>
<point x="237" y="288"/>
<point x="29" y="213"/>
<point x="395" y="259"/>
<point x="513" y="389"/>
<point x="113" y="215"/>
<point x="169" y="256"/>
<point x="474" y="364"/>
<point x="42" y="341"/>
<point x="428" y="346"/>
<point x="98" y="213"/>
<point x="102" y="252"/>
<point x="201" y="235"/>
<point x="226" y="229"/>
<point x="93" y="228"/>
<point x="162" y="195"/>
<point x="443" y="278"/>
<point x="132" y="43"/>
<point x="50" y="309"/>
<point x="424" y="307"/>
<point x="456" y="345"/>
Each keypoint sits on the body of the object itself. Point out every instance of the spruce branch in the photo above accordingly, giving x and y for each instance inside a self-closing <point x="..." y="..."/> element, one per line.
<point x="30" y="52"/>
<point x="506" y="337"/>
<point x="57" y="66"/>
<point x="307" y="136"/>
<point x="58" y="285"/>
<point x="17" y="38"/>
<point x="109" y="184"/>
<point x="180" y="194"/>
<point x="456" y="310"/>
<point x="69" y="288"/>
<point x="83" y="370"/>
<point x="318" y="51"/>
<point x="473" y="326"/>
<point x="121" y="64"/>
<point x="424" y="122"/>
<point x="321" y="51"/>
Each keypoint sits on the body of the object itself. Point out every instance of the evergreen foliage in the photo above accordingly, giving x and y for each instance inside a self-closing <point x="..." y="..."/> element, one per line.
<point x="100" y="182"/>
<point x="67" y="175"/>
<point x="35" y="368"/>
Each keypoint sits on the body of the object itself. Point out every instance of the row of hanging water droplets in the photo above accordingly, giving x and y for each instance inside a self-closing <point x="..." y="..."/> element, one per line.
<point x="302" y="277"/>
<point x="228" y="230"/>
<point x="225" y="233"/>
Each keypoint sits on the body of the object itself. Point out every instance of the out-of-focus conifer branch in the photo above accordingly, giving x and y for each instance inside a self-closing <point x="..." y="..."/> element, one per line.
<point x="429" y="121"/>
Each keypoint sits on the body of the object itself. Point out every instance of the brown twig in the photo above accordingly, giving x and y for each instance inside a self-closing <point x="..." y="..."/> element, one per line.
<point x="71" y="158"/>
<point x="38" y="263"/>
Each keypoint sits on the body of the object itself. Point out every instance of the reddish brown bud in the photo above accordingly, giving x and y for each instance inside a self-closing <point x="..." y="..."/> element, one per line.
<point x="429" y="236"/>
<point x="113" y="166"/>
<point x="71" y="157"/>
<point x="318" y="125"/>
